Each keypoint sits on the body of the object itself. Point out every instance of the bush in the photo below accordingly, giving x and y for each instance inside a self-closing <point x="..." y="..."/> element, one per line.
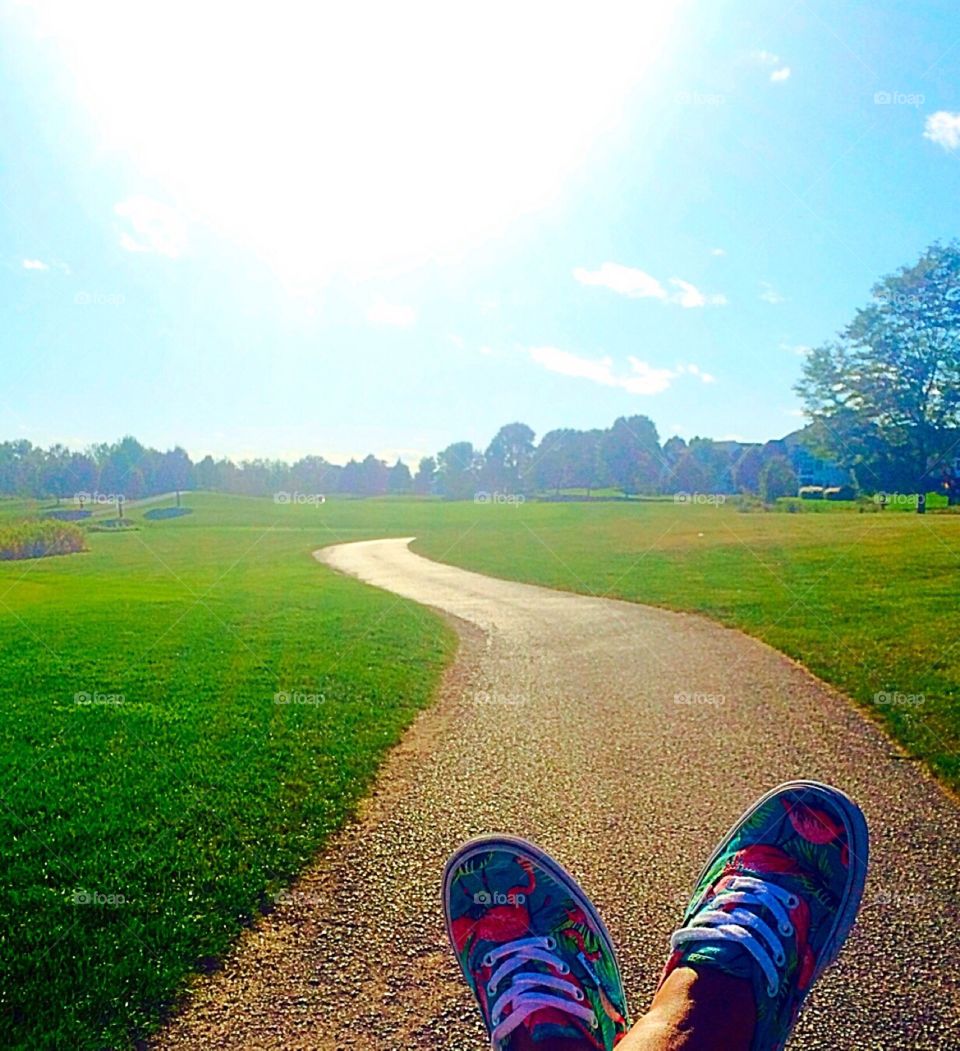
<point x="37" y="539"/>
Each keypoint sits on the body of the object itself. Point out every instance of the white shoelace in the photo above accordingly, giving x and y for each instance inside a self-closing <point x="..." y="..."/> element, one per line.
<point x="528" y="991"/>
<point x="745" y="927"/>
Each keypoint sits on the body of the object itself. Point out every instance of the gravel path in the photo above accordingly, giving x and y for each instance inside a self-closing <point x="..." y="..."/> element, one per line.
<point x="624" y="740"/>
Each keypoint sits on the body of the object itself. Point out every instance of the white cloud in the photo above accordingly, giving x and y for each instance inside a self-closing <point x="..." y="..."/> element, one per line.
<point x="626" y="280"/>
<point x="642" y="378"/>
<point x="399" y="315"/>
<point x="153" y="227"/>
<point x="768" y="60"/>
<point x="691" y="296"/>
<point x="800" y="349"/>
<point x="718" y="251"/>
<point x="35" y="264"/>
<point x="770" y="294"/>
<point x="695" y="370"/>
<point x="944" y="129"/>
<point x="638" y="284"/>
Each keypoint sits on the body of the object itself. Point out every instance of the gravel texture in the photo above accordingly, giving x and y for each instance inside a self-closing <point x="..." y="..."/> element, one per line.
<point x="625" y="740"/>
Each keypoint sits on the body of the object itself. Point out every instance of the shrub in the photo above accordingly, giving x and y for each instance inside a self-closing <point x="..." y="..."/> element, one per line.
<point x="37" y="539"/>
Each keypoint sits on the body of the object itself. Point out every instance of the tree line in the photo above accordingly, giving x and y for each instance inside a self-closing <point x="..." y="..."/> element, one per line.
<point x="628" y="456"/>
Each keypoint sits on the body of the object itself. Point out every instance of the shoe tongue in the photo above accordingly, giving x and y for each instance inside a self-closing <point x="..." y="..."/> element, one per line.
<point x="728" y="957"/>
<point x="549" y="1024"/>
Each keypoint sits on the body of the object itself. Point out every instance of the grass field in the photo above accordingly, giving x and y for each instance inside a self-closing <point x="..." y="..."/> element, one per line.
<point x="146" y="820"/>
<point x="154" y="793"/>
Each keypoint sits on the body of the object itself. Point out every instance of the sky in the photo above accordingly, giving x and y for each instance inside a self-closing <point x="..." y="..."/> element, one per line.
<point x="274" y="229"/>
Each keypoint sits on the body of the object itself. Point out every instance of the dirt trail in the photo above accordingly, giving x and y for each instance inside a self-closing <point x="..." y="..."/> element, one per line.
<point x="624" y="740"/>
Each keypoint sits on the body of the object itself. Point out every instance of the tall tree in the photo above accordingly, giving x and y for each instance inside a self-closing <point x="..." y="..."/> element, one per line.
<point x="777" y="479"/>
<point x="885" y="397"/>
<point x="508" y="457"/>
<point x="398" y="478"/>
<point x="425" y="477"/>
<point x="459" y="469"/>
<point x="632" y="455"/>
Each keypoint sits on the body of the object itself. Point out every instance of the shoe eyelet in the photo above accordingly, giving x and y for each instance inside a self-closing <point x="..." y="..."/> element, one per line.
<point x="564" y="968"/>
<point x="491" y="989"/>
<point x="578" y="995"/>
<point x="551" y="943"/>
<point x="793" y="902"/>
<point x="772" y="990"/>
<point x="780" y="959"/>
<point x="488" y="960"/>
<point x="786" y="930"/>
<point x="594" y="1024"/>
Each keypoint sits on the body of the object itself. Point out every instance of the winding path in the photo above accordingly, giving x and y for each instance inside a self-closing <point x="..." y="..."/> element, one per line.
<point x="625" y="740"/>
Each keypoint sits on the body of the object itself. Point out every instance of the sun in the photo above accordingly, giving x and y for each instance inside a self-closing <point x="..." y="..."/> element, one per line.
<point x="353" y="138"/>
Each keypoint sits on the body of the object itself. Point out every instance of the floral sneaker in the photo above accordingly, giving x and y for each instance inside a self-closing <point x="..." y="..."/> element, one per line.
<point x="531" y="946"/>
<point x="776" y="901"/>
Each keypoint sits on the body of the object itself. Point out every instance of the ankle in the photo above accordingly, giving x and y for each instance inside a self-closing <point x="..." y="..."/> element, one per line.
<point x="701" y="1007"/>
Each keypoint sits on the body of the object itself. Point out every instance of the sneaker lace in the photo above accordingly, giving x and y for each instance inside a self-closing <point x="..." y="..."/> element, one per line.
<point x="744" y="926"/>
<point x="530" y="990"/>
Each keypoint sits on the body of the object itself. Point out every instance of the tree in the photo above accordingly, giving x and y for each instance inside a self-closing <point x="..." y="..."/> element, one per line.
<point x="207" y="473"/>
<point x="508" y="458"/>
<point x="632" y="455"/>
<point x="398" y="478"/>
<point x="716" y="464"/>
<point x="554" y="463"/>
<point x="885" y="396"/>
<point x="777" y="479"/>
<point x="426" y="474"/>
<point x="459" y="468"/>
<point x="746" y="470"/>
<point x="689" y="475"/>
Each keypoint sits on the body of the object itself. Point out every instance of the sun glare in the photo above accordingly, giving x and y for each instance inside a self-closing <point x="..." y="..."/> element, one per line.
<point x="353" y="138"/>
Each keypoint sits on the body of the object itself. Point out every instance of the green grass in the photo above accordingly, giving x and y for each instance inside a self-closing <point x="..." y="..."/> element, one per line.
<point x="197" y="797"/>
<point x="173" y="790"/>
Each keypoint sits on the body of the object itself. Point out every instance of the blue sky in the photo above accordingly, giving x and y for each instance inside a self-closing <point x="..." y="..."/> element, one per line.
<point x="303" y="231"/>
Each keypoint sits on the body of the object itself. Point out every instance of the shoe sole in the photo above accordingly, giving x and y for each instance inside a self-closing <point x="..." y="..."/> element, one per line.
<point x="482" y="844"/>
<point x="858" y="847"/>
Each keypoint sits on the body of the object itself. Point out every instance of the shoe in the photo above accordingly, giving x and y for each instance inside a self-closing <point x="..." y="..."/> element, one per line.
<point x="531" y="946"/>
<point x="776" y="901"/>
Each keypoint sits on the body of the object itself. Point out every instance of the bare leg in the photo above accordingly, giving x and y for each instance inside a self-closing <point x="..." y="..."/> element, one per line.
<point x="696" y="1010"/>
